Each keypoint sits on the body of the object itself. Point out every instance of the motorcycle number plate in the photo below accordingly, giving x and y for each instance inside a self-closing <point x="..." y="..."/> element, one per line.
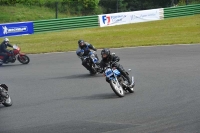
<point x="94" y="60"/>
<point x="108" y="72"/>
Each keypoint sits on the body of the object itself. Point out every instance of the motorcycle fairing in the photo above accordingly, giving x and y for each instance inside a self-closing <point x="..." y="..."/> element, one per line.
<point x="92" y="56"/>
<point x="109" y="73"/>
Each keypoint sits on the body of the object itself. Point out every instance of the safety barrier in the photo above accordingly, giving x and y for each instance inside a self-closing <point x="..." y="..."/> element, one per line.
<point x="65" y="23"/>
<point x="92" y="21"/>
<point x="181" y="11"/>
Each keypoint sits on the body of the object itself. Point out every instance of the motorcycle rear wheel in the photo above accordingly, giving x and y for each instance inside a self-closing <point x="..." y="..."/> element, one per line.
<point x="93" y="71"/>
<point x="131" y="90"/>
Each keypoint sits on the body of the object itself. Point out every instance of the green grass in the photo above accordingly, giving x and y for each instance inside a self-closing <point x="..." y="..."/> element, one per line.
<point x="21" y="13"/>
<point x="183" y="30"/>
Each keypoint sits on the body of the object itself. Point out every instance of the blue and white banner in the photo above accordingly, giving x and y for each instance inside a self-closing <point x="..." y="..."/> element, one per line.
<point x="130" y="17"/>
<point x="16" y="29"/>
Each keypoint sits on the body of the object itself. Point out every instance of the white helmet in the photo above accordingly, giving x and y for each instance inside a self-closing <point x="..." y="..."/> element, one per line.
<point x="6" y="40"/>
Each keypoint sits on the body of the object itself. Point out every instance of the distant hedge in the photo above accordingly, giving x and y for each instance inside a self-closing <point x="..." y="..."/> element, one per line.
<point x="65" y="6"/>
<point x="25" y="2"/>
<point x="100" y="6"/>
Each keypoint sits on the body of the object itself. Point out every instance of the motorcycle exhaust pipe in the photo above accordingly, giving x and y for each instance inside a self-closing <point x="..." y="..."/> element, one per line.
<point x="133" y="82"/>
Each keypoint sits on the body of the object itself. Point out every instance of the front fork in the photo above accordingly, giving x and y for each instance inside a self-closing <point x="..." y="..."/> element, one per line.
<point x="116" y="80"/>
<point x="20" y="55"/>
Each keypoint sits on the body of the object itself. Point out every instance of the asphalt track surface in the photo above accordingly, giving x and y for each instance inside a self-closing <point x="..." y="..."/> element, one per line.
<point x="55" y="94"/>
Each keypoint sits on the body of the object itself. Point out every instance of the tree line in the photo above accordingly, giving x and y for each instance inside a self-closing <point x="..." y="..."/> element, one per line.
<point x="92" y="7"/>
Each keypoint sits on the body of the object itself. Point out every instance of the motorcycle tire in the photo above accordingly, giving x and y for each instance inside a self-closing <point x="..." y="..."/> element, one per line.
<point x="24" y="59"/>
<point x="8" y="102"/>
<point x="118" y="90"/>
<point x="93" y="71"/>
<point x="130" y="90"/>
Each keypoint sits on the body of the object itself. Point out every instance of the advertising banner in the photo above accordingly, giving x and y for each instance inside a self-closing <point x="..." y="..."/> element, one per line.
<point x="15" y="29"/>
<point x="130" y="17"/>
<point x="113" y="19"/>
<point x="145" y="15"/>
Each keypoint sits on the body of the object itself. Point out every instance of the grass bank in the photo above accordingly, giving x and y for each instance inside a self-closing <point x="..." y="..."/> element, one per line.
<point x="20" y="13"/>
<point x="183" y="30"/>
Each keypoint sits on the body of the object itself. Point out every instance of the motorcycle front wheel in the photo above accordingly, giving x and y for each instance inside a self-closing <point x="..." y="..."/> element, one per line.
<point x="117" y="88"/>
<point x="24" y="59"/>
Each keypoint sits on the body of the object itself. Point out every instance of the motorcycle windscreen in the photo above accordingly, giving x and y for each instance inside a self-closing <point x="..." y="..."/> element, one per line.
<point x="15" y="47"/>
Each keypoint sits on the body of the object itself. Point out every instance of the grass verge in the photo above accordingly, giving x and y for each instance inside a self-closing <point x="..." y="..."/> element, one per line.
<point x="20" y="13"/>
<point x="183" y="30"/>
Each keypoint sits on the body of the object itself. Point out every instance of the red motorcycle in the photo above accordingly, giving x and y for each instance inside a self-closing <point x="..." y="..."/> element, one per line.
<point x="16" y="55"/>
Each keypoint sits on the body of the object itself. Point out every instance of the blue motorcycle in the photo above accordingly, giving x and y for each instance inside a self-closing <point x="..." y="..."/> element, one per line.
<point x="118" y="82"/>
<point x="93" y="61"/>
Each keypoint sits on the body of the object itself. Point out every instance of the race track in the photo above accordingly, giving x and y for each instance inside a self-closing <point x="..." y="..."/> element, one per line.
<point x="55" y="94"/>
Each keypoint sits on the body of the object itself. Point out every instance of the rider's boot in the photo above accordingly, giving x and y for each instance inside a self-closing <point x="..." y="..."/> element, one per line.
<point x="125" y="74"/>
<point x="1" y="62"/>
<point x="5" y="60"/>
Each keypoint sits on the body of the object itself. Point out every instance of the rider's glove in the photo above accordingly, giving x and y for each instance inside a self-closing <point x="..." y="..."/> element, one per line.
<point x="101" y="70"/>
<point x="82" y="58"/>
<point x="11" y="52"/>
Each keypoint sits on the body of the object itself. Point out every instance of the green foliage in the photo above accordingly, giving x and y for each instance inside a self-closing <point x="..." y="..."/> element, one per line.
<point x="122" y="6"/>
<point x="90" y="7"/>
<point x="89" y="4"/>
<point x="112" y="6"/>
<point x="83" y="7"/>
<point x="76" y="7"/>
<point x="184" y="2"/>
<point x="181" y="2"/>
<point x="7" y="2"/>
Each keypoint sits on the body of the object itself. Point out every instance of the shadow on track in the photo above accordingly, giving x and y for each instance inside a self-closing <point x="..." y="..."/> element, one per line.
<point x="11" y="65"/>
<point x="92" y="97"/>
<point x="78" y="76"/>
<point x="95" y="97"/>
<point x="3" y="107"/>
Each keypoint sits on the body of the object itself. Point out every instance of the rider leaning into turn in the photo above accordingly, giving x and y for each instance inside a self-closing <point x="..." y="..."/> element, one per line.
<point x="107" y="58"/>
<point x="84" y="50"/>
<point x="3" y="49"/>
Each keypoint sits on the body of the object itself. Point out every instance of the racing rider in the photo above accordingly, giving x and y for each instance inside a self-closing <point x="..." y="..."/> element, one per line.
<point x="84" y="50"/>
<point x="108" y="58"/>
<point x="3" y="49"/>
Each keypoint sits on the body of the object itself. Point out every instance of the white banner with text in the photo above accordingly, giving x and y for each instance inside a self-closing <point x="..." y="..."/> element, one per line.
<point x="130" y="17"/>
